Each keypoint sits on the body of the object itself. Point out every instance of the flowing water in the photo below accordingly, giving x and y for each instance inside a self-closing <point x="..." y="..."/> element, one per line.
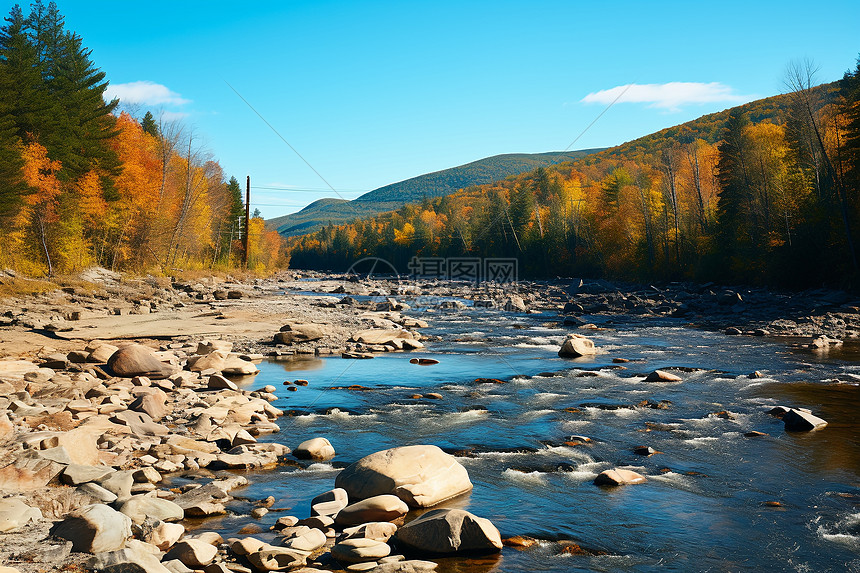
<point x="707" y="504"/>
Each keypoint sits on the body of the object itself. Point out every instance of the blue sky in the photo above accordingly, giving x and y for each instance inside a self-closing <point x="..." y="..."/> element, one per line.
<point x="376" y="92"/>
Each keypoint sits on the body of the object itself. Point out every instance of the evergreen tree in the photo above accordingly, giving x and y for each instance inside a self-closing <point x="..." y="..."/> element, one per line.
<point x="733" y="177"/>
<point x="149" y="126"/>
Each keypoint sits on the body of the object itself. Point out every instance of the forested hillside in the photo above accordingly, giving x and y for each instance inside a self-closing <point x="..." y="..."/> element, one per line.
<point x="430" y="185"/>
<point x="82" y="185"/>
<point x="766" y="192"/>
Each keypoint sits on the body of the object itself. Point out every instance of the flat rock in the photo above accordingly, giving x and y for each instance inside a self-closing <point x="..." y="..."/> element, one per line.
<point x="77" y="474"/>
<point x="384" y="507"/>
<point x="379" y="335"/>
<point x="14" y="513"/>
<point x="360" y="550"/>
<point x="800" y="421"/>
<point x="450" y="531"/>
<point x="618" y="476"/>
<point x="409" y="566"/>
<point x="421" y="475"/>
<point x="662" y="376"/>
<point x="139" y="507"/>
<point x="378" y="530"/>
<point x="277" y="558"/>
<point x="136" y="558"/>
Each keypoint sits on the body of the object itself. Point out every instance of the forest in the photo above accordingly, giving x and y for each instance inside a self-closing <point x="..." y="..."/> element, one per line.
<point x="82" y="185"/>
<point x="764" y="193"/>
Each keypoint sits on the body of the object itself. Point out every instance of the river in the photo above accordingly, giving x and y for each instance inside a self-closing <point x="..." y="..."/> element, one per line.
<point x="709" y="502"/>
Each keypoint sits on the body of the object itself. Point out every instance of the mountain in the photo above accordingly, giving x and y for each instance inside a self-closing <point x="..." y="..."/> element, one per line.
<point x="761" y="193"/>
<point x="430" y="185"/>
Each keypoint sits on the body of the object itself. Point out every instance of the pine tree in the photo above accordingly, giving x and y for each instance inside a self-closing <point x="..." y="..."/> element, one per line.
<point x="733" y="176"/>
<point x="149" y="126"/>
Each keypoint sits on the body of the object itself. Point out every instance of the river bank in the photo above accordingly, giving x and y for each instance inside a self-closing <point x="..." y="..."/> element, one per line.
<point x="59" y="393"/>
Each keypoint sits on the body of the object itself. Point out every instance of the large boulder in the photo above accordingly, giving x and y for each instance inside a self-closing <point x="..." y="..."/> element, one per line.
<point x="800" y="421"/>
<point x="315" y="449"/>
<point x="422" y="476"/>
<point x="576" y="345"/>
<point x="94" y="528"/>
<point x="450" y="531"/>
<point x="137" y="360"/>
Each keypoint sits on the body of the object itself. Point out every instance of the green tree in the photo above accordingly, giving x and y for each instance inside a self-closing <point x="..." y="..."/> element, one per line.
<point x="151" y="127"/>
<point x="735" y="234"/>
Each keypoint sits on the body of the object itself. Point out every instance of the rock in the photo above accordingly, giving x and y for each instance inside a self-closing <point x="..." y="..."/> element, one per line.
<point x="94" y="529"/>
<point x="384" y="507"/>
<point x="576" y="345"/>
<point x="299" y="333"/>
<point x="800" y="421"/>
<point x="207" y="346"/>
<point x="754" y="434"/>
<point x="137" y="360"/>
<point x="139" y="507"/>
<point x="139" y="423"/>
<point x="76" y="474"/>
<point x="164" y="535"/>
<point x="330" y="502"/>
<point x="360" y="550"/>
<point x="309" y="541"/>
<point x="514" y="303"/>
<point x="28" y="473"/>
<point x="315" y="449"/>
<point x="259" y="512"/>
<point x="119" y="483"/>
<point x="662" y="376"/>
<point x="617" y="476"/>
<point x="246" y="546"/>
<point x="277" y="558"/>
<point x="150" y="404"/>
<point x="218" y="382"/>
<point x="102" y="353"/>
<point x="379" y="335"/>
<point x="14" y="513"/>
<point x="235" y="366"/>
<point x="97" y="492"/>
<point x="193" y="553"/>
<point x="378" y="530"/>
<point x="214" y="361"/>
<point x="450" y="531"/>
<point x="732" y="331"/>
<point x="136" y="558"/>
<point x="420" y="475"/>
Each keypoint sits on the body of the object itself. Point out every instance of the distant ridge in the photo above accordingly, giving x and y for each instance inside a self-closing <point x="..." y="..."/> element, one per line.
<point x="436" y="184"/>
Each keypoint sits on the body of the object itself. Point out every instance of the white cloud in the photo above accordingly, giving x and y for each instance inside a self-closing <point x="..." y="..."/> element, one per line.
<point x="144" y="92"/>
<point x="670" y="96"/>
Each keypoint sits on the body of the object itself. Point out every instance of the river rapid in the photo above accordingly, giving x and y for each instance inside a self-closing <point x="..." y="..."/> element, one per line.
<point x="715" y="500"/>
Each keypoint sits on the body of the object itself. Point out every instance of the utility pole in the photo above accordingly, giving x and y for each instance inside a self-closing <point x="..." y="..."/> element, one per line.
<point x="247" y="221"/>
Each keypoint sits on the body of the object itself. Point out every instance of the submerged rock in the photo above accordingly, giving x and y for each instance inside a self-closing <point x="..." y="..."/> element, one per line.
<point x="618" y="476"/>
<point x="662" y="376"/>
<point x="801" y="421"/>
